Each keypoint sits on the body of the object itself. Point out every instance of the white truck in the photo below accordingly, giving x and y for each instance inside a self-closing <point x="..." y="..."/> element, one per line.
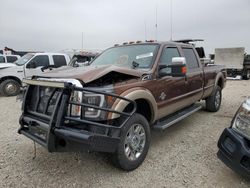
<point x="235" y="60"/>
<point x="27" y="66"/>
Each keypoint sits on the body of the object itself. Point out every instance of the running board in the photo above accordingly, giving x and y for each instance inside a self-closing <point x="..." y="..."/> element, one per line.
<point x="176" y="117"/>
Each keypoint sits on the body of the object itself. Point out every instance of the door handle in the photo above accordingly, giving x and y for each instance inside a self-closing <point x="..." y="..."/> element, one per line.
<point x="20" y="71"/>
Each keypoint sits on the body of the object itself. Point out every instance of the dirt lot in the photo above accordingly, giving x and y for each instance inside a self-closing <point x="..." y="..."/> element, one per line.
<point x="182" y="156"/>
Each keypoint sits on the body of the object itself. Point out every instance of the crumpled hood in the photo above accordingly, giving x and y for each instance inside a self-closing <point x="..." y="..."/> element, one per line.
<point x="90" y="73"/>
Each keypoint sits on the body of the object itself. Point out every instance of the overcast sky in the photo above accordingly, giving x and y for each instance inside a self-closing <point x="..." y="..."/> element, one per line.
<point x="50" y="25"/>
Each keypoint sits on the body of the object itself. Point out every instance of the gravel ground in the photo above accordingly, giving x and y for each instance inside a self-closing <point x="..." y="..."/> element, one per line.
<point x="182" y="156"/>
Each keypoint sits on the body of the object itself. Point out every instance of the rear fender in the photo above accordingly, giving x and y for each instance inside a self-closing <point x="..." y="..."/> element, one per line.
<point x="217" y="80"/>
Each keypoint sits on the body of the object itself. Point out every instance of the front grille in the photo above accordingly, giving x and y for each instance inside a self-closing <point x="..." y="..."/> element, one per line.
<point x="41" y="100"/>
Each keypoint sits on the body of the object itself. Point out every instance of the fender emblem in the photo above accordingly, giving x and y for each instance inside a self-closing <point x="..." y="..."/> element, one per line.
<point x="162" y="96"/>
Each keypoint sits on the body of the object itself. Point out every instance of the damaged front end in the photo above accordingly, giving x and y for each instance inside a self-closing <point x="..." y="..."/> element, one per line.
<point x="62" y="116"/>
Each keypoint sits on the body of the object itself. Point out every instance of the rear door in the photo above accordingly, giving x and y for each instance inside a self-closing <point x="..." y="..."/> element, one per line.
<point x="194" y="74"/>
<point x="59" y="60"/>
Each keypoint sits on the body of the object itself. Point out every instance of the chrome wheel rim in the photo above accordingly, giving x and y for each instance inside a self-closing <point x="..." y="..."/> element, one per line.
<point x="10" y="88"/>
<point x="135" y="140"/>
<point x="217" y="99"/>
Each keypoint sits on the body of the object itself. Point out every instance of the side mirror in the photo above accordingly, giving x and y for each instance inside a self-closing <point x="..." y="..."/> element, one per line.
<point x="50" y="67"/>
<point x="31" y="65"/>
<point x="178" y="67"/>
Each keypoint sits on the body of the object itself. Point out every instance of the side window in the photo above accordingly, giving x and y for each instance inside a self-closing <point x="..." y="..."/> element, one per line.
<point x="2" y="59"/>
<point x="166" y="57"/>
<point x="40" y="61"/>
<point x="192" y="62"/>
<point x="11" y="59"/>
<point x="59" y="60"/>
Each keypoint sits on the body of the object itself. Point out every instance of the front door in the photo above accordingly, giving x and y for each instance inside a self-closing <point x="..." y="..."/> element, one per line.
<point x="33" y="67"/>
<point x="171" y="90"/>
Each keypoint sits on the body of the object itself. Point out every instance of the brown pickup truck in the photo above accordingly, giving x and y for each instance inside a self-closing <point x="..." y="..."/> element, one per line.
<point x="112" y="104"/>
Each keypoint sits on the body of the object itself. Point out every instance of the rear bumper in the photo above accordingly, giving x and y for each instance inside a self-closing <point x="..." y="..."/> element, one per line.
<point x="234" y="151"/>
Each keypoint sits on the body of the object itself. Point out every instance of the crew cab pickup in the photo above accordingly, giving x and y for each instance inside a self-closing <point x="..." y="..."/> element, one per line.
<point x="27" y="66"/>
<point x="112" y="104"/>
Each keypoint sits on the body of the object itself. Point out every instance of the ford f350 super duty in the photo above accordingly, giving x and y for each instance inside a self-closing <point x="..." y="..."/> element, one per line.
<point x="112" y="104"/>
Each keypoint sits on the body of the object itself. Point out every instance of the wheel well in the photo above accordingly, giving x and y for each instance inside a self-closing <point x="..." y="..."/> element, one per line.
<point x="220" y="83"/>
<point x="11" y="77"/>
<point x="143" y="108"/>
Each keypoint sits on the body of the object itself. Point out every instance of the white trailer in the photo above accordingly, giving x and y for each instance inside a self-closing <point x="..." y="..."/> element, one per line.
<point x="234" y="60"/>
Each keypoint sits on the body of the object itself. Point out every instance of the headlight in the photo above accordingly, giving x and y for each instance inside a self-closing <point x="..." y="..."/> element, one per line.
<point x="241" y="122"/>
<point x="75" y="110"/>
<point x="87" y="98"/>
<point x="95" y="100"/>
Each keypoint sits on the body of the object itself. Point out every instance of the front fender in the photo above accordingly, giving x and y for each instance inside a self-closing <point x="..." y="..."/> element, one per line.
<point x="134" y="94"/>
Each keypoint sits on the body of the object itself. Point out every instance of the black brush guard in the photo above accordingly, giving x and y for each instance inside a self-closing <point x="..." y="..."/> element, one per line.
<point x="52" y="131"/>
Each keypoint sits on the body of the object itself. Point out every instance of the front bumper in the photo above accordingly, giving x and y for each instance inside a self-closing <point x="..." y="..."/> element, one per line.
<point x="234" y="151"/>
<point x="66" y="139"/>
<point x="51" y="124"/>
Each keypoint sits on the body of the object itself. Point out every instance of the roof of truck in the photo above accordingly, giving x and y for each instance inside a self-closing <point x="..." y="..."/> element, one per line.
<point x="47" y="53"/>
<point x="180" y="42"/>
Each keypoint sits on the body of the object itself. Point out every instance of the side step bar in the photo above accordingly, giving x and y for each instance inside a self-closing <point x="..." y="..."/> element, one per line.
<point x="176" y="117"/>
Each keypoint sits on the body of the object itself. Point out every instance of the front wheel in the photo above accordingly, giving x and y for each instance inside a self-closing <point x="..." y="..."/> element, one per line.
<point x="10" y="87"/>
<point x="134" y="143"/>
<point x="214" y="101"/>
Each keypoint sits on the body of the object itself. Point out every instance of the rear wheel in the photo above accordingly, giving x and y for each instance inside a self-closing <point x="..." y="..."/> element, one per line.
<point x="134" y="143"/>
<point x="214" y="101"/>
<point x="10" y="87"/>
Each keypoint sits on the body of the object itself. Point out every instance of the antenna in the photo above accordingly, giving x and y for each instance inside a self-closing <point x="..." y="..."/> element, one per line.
<point x="82" y="41"/>
<point x="171" y="20"/>
<point x="156" y="24"/>
<point x="145" y="25"/>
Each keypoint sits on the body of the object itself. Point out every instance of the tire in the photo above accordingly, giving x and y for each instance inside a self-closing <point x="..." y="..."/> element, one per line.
<point x="131" y="140"/>
<point x="10" y="87"/>
<point x="246" y="76"/>
<point x="214" y="101"/>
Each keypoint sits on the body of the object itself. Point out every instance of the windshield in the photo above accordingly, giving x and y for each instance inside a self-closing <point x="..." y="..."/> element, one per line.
<point x="133" y="56"/>
<point x="24" y="59"/>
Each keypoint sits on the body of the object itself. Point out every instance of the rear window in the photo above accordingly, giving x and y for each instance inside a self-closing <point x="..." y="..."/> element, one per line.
<point x="11" y="59"/>
<point x="59" y="60"/>
<point x="192" y="62"/>
<point x="2" y="59"/>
